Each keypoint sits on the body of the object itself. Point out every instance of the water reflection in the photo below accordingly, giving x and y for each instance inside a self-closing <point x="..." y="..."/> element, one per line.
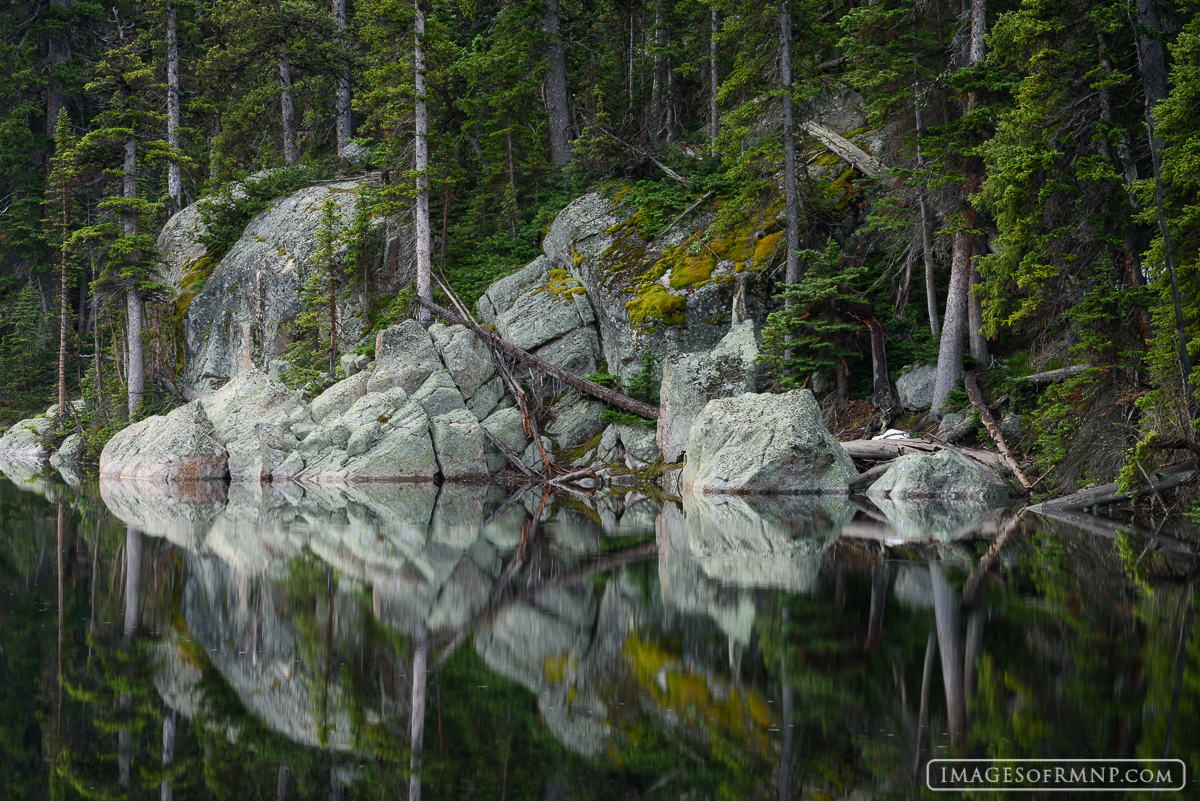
<point x="283" y="641"/>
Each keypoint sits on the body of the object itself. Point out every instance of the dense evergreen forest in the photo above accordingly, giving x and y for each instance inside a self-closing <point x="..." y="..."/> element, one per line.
<point x="1022" y="198"/>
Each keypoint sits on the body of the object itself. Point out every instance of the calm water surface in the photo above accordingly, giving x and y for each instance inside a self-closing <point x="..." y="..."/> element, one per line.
<point x="462" y="643"/>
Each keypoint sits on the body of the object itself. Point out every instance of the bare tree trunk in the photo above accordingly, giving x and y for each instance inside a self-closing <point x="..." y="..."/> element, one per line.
<point x="557" y="99"/>
<point x="978" y="31"/>
<point x="417" y="728"/>
<point x="344" y="113"/>
<point x="1154" y="82"/>
<point x="881" y="388"/>
<point x="946" y="614"/>
<point x="977" y="341"/>
<point x="791" y="201"/>
<point x="656" y="91"/>
<point x="949" y="364"/>
<point x="291" y="153"/>
<point x="135" y="366"/>
<point x="333" y="324"/>
<point x="64" y="308"/>
<point x="714" y="111"/>
<point x="421" y="165"/>
<point x="669" y="116"/>
<point x="174" y="179"/>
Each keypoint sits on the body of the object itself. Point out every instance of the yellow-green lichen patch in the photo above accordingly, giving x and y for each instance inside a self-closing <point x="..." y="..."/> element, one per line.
<point x="766" y="249"/>
<point x="654" y="302"/>
<point x="562" y="286"/>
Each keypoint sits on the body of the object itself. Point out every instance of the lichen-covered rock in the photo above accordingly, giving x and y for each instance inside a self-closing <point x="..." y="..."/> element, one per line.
<point x="178" y="448"/>
<point x="501" y="295"/>
<point x="24" y="439"/>
<point x="576" y="423"/>
<point x="506" y="426"/>
<point x="915" y="387"/>
<point x="690" y="381"/>
<point x="244" y="314"/>
<point x="468" y="360"/>
<point x="180" y="246"/>
<point x="404" y="357"/>
<point x="548" y="312"/>
<point x="946" y="475"/>
<point x="669" y="294"/>
<point x="640" y="446"/>
<point x="438" y="394"/>
<point x="765" y="444"/>
<point x="339" y="397"/>
<point x="236" y="409"/>
<point x="399" y="448"/>
<point x="460" y="445"/>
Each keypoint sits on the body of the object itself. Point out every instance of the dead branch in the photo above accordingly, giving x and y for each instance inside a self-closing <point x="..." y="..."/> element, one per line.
<point x="994" y="429"/>
<point x="1165" y="479"/>
<point x="609" y="396"/>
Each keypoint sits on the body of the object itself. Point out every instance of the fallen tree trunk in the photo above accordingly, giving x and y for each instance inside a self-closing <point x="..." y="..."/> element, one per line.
<point x="609" y="396"/>
<point x="882" y="450"/>
<point x="1165" y="479"/>
<point x="862" y="481"/>
<point x="994" y="429"/>
<point x="1054" y="376"/>
<point x="844" y="149"/>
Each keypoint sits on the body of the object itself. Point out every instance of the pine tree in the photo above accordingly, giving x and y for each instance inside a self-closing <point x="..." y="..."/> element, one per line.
<point x="62" y="179"/>
<point x="310" y="359"/>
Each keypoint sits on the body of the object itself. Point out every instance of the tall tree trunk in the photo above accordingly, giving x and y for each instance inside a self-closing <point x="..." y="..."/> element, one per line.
<point x="174" y="180"/>
<point x="333" y="323"/>
<point x="926" y="218"/>
<point x="417" y="722"/>
<point x="344" y="114"/>
<point x="64" y="191"/>
<point x="977" y="341"/>
<point x="557" y="99"/>
<point x="291" y="153"/>
<point x="946" y="611"/>
<point x="421" y="165"/>
<point x="135" y="366"/>
<point x="790" y="193"/>
<point x="669" y="106"/>
<point x="949" y="363"/>
<point x="881" y="386"/>
<point x="714" y="111"/>
<point x="656" y="90"/>
<point x="1154" y="82"/>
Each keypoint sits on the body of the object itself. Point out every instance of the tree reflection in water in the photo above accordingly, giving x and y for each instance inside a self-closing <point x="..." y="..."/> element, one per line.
<point x="378" y="642"/>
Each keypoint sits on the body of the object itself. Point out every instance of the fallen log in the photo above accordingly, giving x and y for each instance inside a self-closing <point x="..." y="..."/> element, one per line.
<point x="1054" y="376"/>
<point x="609" y="396"/>
<point x="993" y="429"/>
<point x="1165" y="479"/>
<point x="844" y="149"/>
<point x="862" y="481"/>
<point x="957" y="432"/>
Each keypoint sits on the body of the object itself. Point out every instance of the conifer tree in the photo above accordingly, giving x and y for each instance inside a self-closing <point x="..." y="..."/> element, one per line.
<point x="62" y="178"/>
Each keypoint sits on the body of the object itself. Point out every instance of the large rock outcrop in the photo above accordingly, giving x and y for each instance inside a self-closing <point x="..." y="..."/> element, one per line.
<point x="765" y="444"/>
<point x="244" y="313"/>
<point x="671" y="293"/>
<point x="690" y="381"/>
<point x="179" y="448"/>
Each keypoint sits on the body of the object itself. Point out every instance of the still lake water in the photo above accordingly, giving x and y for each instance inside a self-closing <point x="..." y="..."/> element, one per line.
<point x="274" y="642"/>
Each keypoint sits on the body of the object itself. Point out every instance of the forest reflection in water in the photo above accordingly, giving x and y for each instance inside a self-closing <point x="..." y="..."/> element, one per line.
<point x="275" y="642"/>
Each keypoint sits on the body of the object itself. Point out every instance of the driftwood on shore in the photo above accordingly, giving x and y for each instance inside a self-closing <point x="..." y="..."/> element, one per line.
<point x="882" y="450"/>
<point x="1165" y="479"/>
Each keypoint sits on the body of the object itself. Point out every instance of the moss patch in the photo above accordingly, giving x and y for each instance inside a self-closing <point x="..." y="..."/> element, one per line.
<point x="654" y="302"/>
<point x="562" y="286"/>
